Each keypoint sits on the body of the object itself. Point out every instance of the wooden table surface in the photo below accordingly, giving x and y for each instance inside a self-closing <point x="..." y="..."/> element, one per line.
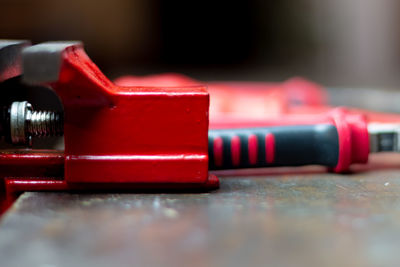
<point x="274" y="218"/>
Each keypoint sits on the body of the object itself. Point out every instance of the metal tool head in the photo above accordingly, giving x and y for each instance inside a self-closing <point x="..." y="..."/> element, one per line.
<point x="42" y="62"/>
<point x="384" y="137"/>
<point x="10" y="58"/>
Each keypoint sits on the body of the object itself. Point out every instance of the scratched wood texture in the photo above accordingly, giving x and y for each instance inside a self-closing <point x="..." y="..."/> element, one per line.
<point x="274" y="218"/>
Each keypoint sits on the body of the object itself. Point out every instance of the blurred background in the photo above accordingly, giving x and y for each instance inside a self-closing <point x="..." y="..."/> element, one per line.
<point x="351" y="43"/>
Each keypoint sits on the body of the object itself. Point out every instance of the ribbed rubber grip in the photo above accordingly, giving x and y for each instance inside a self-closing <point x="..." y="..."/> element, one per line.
<point x="273" y="146"/>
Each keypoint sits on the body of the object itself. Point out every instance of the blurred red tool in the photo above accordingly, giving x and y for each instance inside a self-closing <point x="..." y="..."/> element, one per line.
<point x="255" y="124"/>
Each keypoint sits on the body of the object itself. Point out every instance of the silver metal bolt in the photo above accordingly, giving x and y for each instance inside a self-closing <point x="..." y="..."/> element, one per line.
<point x="26" y="123"/>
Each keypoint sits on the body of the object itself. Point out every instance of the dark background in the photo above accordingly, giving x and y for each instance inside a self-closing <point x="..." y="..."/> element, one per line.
<point x="337" y="43"/>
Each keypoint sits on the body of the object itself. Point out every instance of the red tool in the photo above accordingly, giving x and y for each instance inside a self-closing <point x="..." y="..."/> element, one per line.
<point x="115" y="137"/>
<point x="152" y="132"/>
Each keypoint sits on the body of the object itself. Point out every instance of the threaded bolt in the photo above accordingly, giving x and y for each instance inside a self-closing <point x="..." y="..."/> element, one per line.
<point x="26" y="123"/>
<point x="45" y="123"/>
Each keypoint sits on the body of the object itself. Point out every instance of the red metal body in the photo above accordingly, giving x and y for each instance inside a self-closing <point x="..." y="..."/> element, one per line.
<point x="118" y="137"/>
<point x="116" y="134"/>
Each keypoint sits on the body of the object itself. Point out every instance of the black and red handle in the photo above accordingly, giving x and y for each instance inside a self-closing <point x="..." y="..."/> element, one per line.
<point x="274" y="146"/>
<point x="335" y="142"/>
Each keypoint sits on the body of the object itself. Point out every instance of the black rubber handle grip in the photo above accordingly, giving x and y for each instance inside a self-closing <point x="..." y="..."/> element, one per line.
<point x="273" y="146"/>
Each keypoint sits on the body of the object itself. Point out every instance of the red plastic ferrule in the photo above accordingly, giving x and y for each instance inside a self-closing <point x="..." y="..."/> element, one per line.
<point x="353" y="138"/>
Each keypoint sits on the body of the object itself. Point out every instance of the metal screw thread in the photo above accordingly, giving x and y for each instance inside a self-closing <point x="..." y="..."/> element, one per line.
<point x="45" y="123"/>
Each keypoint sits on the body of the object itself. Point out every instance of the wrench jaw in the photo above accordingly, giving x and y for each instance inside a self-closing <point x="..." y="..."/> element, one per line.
<point x="121" y="137"/>
<point x="116" y="137"/>
<point x="10" y="58"/>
